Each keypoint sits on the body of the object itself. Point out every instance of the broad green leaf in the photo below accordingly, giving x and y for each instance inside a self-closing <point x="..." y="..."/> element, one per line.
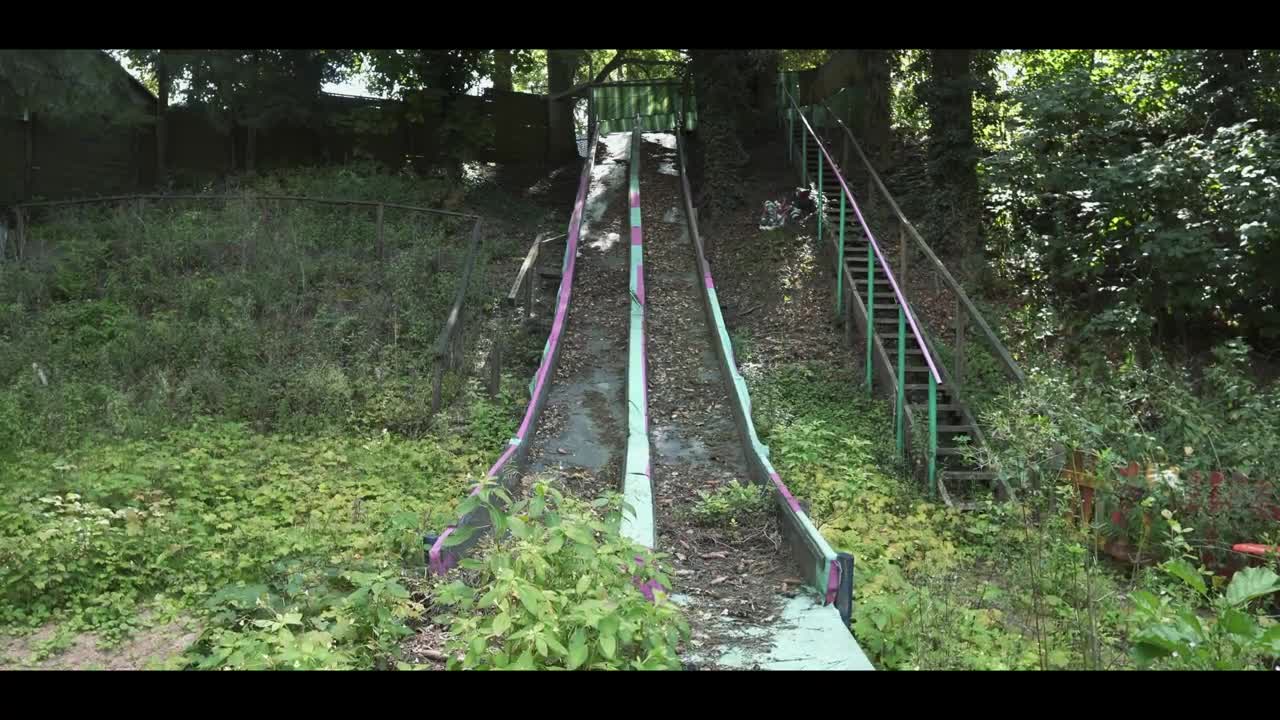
<point x="1182" y="570"/>
<point x="501" y="623"/>
<point x="1270" y="640"/>
<point x="529" y="597"/>
<point x="579" y="533"/>
<point x="1250" y="584"/>
<point x="1240" y="624"/>
<point x="459" y="536"/>
<point x="554" y="643"/>
<point x="519" y="528"/>
<point x="470" y="504"/>
<point x="577" y="649"/>
<point x="525" y="661"/>
<point x="609" y="635"/>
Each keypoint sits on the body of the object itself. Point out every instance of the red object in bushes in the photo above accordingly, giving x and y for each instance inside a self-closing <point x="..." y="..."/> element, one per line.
<point x="1256" y="549"/>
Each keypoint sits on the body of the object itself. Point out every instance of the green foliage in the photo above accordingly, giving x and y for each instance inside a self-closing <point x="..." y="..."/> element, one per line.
<point x="565" y="590"/>
<point x="1139" y="188"/>
<point x="69" y="85"/>
<point x="1157" y="416"/>
<point x="275" y="315"/>
<point x="1177" y="635"/>
<point x="289" y="549"/>
<point x="989" y="589"/>
<point x="731" y="504"/>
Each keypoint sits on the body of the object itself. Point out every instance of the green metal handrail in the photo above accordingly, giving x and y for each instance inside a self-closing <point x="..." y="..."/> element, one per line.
<point x="905" y="316"/>
<point x="1001" y="351"/>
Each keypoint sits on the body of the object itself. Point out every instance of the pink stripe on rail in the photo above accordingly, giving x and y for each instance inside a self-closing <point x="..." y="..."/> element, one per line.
<point x="893" y="283"/>
<point x="640" y="283"/>
<point x="833" y="582"/>
<point x="636" y="238"/>
<point x="561" y="306"/>
<point x="497" y="467"/>
<point x="439" y="564"/>
<point x="791" y="501"/>
<point x="709" y="282"/>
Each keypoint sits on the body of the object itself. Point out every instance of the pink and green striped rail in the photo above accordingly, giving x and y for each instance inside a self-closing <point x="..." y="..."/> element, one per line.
<point x="451" y="543"/>
<point x="829" y="573"/>
<point x="637" y="484"/>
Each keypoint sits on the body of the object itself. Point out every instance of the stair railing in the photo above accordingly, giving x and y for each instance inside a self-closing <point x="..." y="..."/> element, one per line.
<point x="906" y="318"/>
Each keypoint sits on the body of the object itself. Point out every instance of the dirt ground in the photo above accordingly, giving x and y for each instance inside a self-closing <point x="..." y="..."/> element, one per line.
<point x="150" y="648"/>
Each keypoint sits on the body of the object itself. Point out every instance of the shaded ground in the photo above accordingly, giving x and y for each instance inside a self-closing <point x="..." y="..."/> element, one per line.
<point x="726" y="572"/>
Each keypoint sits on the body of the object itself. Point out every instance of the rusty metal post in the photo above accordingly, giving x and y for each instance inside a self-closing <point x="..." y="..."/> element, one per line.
<point x="381" y="252"/>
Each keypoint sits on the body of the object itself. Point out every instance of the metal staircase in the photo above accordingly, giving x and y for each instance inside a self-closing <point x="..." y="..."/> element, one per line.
<point x="901" y="358"/>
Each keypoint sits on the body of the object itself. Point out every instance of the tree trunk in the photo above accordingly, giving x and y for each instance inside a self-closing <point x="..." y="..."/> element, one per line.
<point x="502" y="61"/>
<point x="28" y="144"/>
<point x="251" y="150"/>
<point x="562" y="145"/>
<point x="875" y="116"/>
<point x="845" y="68"/>
<point x="162" y="109"/>
<point x="953" y="156"/>
<point x="728" y="85"/>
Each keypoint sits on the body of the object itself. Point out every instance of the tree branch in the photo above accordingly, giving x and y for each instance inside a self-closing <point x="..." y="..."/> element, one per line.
<point x="609" y="67"/>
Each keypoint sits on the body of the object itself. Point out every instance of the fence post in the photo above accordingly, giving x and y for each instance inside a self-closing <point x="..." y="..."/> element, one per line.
<point x="871" y="308"/>
<point x="822" y="200"/>
<point x="21" y="249"/>
<point x="933" y="435"/>
<point x="840" y="261"/>
<point x="961" y="326"/>
<point x="901" y="414"/>
<point x="380" y="247"/>
<point x="495" y="368"/>
<point x="902" y="256"/>
<point x="528" y="283"/>
<point x="804" y="159"/>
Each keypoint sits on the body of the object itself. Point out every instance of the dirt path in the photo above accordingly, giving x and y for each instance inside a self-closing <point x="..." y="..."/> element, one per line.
<point x="727" y="573"/>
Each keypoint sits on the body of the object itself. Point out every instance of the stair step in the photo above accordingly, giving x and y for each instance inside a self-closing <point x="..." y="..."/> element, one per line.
<point x="917" y="368"/>
<point x="950" y="452"/>
<point x="969" y="474"/>
<point x="955" y="428"/>
<point x="925" y="386"/>
<point x="942" y="407"/>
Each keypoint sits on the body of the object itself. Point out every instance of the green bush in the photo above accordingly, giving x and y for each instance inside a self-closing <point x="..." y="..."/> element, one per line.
<point x="566" y="590"/>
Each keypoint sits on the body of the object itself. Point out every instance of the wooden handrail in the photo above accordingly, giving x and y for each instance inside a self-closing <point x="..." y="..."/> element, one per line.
<point x="951" y="282"/>
<point x="455" y="311"/>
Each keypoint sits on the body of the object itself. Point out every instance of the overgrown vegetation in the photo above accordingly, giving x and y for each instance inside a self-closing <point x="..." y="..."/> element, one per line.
<point x="221" y="413"/>
<point x="278" y="315"/>
<point x="1005" y="587"/>
<point x="564" y="590"/>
